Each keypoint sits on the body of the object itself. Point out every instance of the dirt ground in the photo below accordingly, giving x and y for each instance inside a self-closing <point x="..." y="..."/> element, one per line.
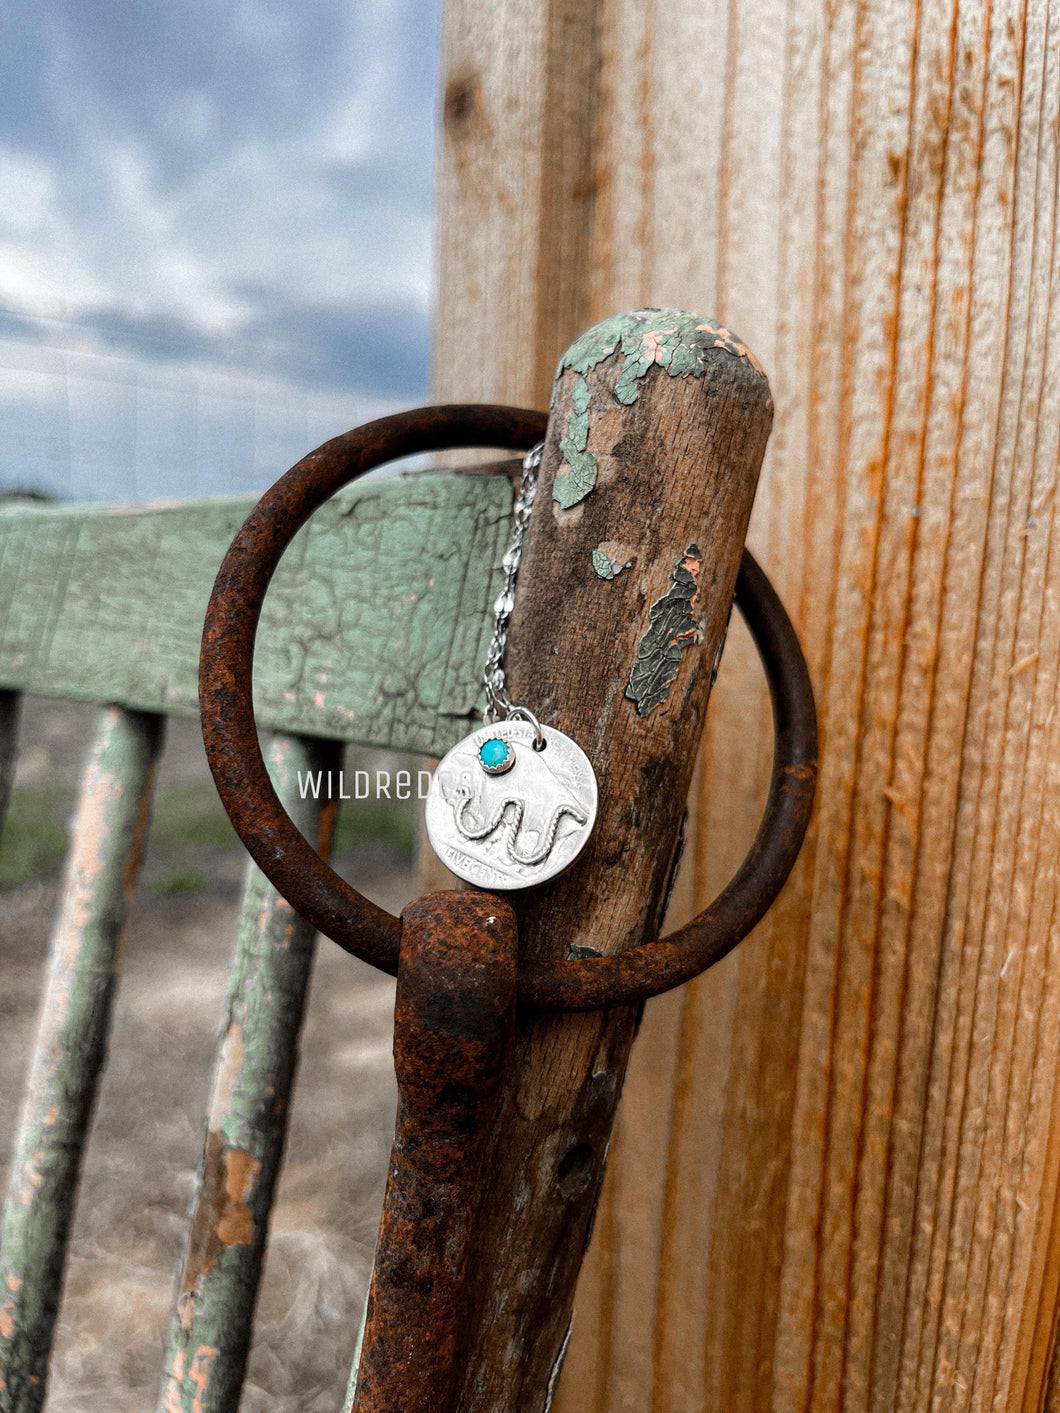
<point x="148" y="1129"/>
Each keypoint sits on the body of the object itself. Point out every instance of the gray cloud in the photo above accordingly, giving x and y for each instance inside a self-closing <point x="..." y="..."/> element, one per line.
<point x="244" y="186"/>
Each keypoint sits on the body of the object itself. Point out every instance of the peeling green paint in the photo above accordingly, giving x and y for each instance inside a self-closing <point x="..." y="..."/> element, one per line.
<point x="671" y="338"/>
<point x="388" y="590"/>
<point x="673" y="626"/>
<point x="210" y="1325"/>
<point x="577" y="476"/>
<point x="71" y="1044"/>
<point x="666" y="338"/>
<point x="607" y="564"/>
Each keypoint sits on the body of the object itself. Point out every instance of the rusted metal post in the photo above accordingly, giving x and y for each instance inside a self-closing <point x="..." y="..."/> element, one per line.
<point x="453" y="1025"/>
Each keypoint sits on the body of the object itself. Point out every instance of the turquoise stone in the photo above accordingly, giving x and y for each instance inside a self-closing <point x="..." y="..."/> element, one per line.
<point x="493" y="753"/>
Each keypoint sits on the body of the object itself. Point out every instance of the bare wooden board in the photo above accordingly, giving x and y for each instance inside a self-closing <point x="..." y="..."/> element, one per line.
<point x="375" y="627"/>
<point x="834" y="1184"/>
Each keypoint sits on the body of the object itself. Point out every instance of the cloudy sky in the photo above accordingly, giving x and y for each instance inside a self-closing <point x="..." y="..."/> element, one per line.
<point x="214" y="235"/>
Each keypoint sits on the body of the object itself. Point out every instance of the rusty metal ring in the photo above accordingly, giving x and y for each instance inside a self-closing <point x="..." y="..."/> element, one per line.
<point x="325" y="899"/>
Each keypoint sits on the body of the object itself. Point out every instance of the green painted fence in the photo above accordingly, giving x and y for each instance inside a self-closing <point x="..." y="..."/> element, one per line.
<point x="374" y="630"/>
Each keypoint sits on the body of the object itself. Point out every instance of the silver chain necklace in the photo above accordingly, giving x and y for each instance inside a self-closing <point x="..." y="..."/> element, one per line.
<point x="515" y="802"/>
<point x="499" y="705"/>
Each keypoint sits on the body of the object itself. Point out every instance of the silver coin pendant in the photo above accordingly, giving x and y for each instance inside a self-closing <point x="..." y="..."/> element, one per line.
<point x="503" y="814"/>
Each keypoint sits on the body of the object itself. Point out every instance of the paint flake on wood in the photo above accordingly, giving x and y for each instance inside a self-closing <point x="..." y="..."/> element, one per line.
<point x="670" y="339"/>
<point x="674" y="626"/>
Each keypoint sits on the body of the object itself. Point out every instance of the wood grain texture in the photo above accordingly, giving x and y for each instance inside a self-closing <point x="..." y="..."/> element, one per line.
<point x="835" y="1180"/>
<point x="374" y="628"/>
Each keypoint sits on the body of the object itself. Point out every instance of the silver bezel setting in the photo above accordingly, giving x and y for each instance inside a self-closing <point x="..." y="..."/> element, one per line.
<point x="503" y="766"/>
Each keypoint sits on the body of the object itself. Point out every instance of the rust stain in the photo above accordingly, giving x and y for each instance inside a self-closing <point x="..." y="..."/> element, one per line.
<point x="51" y="1116"/>
<point x="14" y="1283"/>
<point x="1023" y="664"/>
<point x="235" y="1224"/>
<point x="222" y="1216"/>
<point x="7" y="1323"/>
<point x="328" y="813"/>
<point x="101" y="790"/>
<point x="32" y="1179"/>
<point x="131" y="867"/>
<point x="693" y="563"/>
<point x="454" y="1019"/>
<point x="199" y="1374"/>
<point x="171" y="1403"/>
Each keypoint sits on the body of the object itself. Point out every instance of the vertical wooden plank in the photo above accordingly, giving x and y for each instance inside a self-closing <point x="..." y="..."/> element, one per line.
<point x="859" y="1204"/>
<point x="210" y="1328"/>
<point x="108" y="835"/>
<point x="493" y="76"/>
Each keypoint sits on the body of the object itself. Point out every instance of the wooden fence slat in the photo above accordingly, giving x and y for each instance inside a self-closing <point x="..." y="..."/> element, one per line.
<point x="108" y="834"/>
<point x="210" y="1328"/>
<point x="860" y="1208"/>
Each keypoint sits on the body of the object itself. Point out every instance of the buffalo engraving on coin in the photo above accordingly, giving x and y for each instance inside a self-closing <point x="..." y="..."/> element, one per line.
<point x="503" y="814"/>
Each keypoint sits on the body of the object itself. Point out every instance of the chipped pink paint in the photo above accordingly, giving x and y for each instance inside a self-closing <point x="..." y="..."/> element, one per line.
<point x="650" y="342"/>
<point x="724" y="338"/>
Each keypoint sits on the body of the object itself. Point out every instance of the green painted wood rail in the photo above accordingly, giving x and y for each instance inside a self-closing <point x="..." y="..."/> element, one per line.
<point x="374" y="631"/>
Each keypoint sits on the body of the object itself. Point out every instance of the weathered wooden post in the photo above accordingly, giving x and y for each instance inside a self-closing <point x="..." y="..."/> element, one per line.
<point x="657" y="429"/>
